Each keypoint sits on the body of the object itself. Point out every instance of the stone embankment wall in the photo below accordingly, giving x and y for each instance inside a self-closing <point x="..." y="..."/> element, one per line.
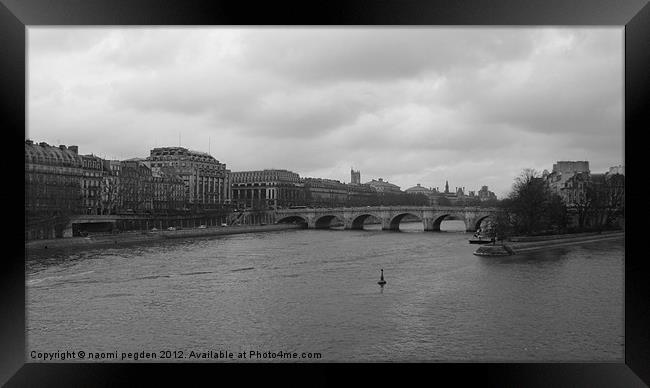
<point x="520" y="247"/>
<point x="559" y="236"/>
<point x="134" y="238"/>
<point x="528" y="244"/>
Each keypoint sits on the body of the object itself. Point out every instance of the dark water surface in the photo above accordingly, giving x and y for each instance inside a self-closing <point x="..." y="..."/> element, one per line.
<point x="316" y="291"/>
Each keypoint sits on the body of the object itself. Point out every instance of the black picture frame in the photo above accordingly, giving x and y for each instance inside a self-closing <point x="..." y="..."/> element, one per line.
<point x="16" y="15"/>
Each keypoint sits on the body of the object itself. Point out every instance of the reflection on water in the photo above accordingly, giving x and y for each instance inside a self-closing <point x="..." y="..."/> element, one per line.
<point x="317" y="291"/>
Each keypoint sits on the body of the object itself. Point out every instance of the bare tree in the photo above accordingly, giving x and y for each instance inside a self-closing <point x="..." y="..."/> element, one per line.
<point x="111" y="192"/>
<point x="527" y="201"/>
<point x="580" y="191"/>
<point x="607" y="199"/>
<point x="532" y="206"/>
<point x="500" y="227"/>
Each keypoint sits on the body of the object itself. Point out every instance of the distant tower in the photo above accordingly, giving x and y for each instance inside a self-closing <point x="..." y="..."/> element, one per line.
<point x="446" y="187"/>
<point x="355" y="177"/>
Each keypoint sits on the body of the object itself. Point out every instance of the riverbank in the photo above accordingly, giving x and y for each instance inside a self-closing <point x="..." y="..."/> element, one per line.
<point x="529" y="244"/>
<point x="132" y="238"/>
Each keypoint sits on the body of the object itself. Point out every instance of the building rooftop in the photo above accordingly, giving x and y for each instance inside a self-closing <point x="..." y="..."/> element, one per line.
<point x="266" y="170"/>
<point x="45" y="153"/>
<point x="419" y="188"/>
<point x="179" y="151"/>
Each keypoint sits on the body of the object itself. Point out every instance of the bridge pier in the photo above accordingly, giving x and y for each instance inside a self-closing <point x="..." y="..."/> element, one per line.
<point x="435" y="224"/>
<point x="387" y="225"/>
<point x="67" y="231"/>
<point x="471" y="223"/>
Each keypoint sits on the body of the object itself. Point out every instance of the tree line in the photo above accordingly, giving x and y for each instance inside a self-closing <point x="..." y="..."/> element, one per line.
<point x="532" y="208"/>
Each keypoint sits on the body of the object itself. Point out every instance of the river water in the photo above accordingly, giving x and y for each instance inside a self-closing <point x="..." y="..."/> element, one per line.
<point x="316" y="291"/>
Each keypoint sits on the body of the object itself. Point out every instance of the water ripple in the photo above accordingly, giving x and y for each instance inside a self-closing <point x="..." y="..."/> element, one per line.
<point x="316" y="291"/>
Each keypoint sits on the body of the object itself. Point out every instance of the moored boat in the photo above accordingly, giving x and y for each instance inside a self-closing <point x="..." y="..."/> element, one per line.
<point x="480" y="241"/>
<point x="480" y="238"/>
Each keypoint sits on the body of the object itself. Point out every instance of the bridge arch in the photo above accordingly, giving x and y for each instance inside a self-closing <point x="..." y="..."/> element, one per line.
<point x="293" y="219"/>
<point x="480" y="221"/>
<point x="359" y="220"/>
<point x="325" y="221"/>
<point x="447" y="216"/>
<point x="395" y="220"/>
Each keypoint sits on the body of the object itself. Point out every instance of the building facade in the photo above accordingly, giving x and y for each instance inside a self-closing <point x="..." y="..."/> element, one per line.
<point x="91" y="183"/>
<point x="111" y="187"/>
<point x="355" y="177"/>
<point x="207" y="182"/>
<point x="419" y="189"/>
<point x="574" y="191"/>
<point x="595" y="199"/>
<point x="136" y="186"/>
<point x="430" y="192"/>
<point x="563" y="171"/>
<point x="450" y="198"/>
<point x="168" y="190"/>
<point x="602" y="186"/>
<point x="384" y="187"/>
<point x="485" y="194"/>
<point x="325" y="192"/>
<point x="267" y="189"/>
<point x="620" y="169"/>
<point x="53" y="178"/>
<point x="360" y="195"/>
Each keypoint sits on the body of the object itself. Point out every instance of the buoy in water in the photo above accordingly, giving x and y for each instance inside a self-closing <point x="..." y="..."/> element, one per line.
<point x="381" y="281"/>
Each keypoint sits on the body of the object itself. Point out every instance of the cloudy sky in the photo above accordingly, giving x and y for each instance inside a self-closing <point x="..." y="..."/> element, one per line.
<point x="473" y="106"/>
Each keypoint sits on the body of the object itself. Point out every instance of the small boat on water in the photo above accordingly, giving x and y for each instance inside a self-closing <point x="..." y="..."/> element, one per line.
<point x="479" y="238"/>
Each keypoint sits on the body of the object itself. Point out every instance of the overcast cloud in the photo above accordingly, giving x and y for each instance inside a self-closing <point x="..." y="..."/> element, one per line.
<point x="473" y="106"/>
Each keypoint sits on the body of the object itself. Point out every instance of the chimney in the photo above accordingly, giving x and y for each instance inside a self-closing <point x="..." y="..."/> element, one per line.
<point x="62" y="147"/>
<point x="74" y="149"/>
<point x="29" y="142"/>
<point x="43" y="144"/>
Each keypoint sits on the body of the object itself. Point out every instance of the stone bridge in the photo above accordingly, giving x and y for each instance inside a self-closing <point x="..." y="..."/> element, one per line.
<point x="389" y="216"/>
